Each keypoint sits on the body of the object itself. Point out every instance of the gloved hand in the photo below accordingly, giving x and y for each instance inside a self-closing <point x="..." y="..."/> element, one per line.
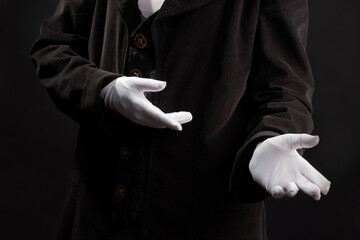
<point x="277" y="167"/>
<point x="125" y="95"/>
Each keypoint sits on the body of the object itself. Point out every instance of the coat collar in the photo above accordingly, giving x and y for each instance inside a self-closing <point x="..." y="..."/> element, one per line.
<point x="168" y="9"/>
<point x="175" y="7"/>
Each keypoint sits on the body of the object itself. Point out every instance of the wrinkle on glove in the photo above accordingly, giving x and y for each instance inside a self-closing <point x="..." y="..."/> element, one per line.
<point x="279" y="168"/>
<point x="125" y="95"/>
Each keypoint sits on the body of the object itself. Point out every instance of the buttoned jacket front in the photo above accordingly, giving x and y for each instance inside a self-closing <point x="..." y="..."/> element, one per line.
<point x="239" y="66"/>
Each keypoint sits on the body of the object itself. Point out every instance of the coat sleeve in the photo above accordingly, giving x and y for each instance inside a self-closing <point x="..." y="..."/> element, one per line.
<point x="280" y="85"/>
<point x="61" y="56"/>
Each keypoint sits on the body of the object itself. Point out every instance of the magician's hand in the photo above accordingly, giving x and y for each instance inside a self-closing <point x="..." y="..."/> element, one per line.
<point x="278" y="167"/>
<point x="125" y="95"/>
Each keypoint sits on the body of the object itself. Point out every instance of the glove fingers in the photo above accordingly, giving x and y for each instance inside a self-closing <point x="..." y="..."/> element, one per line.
<point x="277" y="192"/>
<point x="291" y="189"/>
<point x="137" y="84"/>
<point x="308" y="187"/>
<point x="181" y="117"/>
<point x="316" y="177"/>
<point x="159" y="119"/>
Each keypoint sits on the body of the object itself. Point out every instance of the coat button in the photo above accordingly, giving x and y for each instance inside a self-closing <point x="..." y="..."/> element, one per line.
<point x="140" y="40"/>
<point x="120" y="191"/>
<point x="124" y="153"/>
<point x="135" y="72"/>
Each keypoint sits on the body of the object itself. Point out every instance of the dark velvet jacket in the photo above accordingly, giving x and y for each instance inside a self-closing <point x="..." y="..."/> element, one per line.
<point x="239" y="66"/>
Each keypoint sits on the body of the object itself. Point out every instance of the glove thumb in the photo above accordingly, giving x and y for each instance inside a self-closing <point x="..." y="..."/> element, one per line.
<point x="291" y="142"/>
<point x="304" y="141"/>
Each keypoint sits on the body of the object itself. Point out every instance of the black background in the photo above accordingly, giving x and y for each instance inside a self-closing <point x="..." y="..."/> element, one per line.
<point x="37" y="142"/>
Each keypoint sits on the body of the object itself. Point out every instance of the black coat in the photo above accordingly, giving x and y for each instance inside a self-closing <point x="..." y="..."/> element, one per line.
<point x="239" y="66"/>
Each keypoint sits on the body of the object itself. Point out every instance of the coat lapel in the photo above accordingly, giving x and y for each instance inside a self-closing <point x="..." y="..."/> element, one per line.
<point x="175" y="7"/>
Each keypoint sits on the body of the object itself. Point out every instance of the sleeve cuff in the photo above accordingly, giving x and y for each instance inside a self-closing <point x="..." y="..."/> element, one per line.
<point x="242" y="184"/>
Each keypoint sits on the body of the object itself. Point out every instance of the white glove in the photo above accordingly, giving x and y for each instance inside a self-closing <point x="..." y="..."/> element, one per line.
<point x="125" y="95"/>
<point x="277" y="167"/>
